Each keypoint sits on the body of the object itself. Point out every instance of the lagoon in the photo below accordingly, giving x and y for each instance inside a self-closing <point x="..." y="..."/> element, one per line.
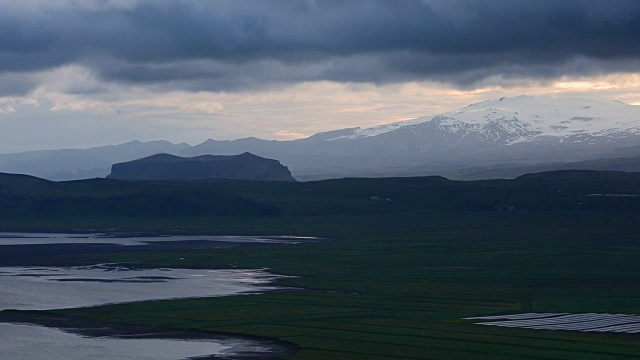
<point x="132" y="239"/>
<point x="28" y="342"/>
<point x="59" y="287"/>
<point x="46" y="288"/>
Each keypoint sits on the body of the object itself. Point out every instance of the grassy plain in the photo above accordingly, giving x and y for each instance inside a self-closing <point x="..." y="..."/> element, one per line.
<point x="396" y="287"/>
<point x="394" y="279"/>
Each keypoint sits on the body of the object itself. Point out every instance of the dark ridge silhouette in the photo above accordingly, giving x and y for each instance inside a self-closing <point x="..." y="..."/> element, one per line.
<point x="245" y="166"/>
<point x="24" y="197"/>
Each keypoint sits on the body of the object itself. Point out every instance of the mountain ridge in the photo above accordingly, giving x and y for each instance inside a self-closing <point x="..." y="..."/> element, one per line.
<point x="522" y="131"/>
<point x="479" y="134"/>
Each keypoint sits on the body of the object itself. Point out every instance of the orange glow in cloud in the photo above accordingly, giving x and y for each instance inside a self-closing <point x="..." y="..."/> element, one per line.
<point x="289" y="135"/>
<point x="299" y="110"/>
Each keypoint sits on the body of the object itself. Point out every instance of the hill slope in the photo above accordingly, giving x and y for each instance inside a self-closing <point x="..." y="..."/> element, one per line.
<point x="562" y="190"/>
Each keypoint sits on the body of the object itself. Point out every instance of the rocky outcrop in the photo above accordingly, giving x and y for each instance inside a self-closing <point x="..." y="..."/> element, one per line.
<point x="245" y="166"/>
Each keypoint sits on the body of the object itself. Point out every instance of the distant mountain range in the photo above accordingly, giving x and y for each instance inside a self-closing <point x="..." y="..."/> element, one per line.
<point x="74" y="164"/>
<point x="245" y="166"/>
<point x="505" y="137"/>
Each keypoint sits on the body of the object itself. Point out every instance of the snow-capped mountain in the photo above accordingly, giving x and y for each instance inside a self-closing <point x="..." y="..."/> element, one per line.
<point x="508" y="132"/>
<point x="524" y="118"/>
<point x="517" y="130"/>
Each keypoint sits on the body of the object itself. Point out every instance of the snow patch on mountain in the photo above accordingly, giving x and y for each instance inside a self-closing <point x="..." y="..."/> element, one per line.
<point x="524" y="118"/>
<point x="378" y="130"/>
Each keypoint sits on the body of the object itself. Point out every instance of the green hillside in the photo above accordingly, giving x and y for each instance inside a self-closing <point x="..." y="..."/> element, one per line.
<point x="394" y="278"/>
<point x="28" y="197"/>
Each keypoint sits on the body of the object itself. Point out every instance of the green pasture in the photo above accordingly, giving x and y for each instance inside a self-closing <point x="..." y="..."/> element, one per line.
<point x="397" y="286"/>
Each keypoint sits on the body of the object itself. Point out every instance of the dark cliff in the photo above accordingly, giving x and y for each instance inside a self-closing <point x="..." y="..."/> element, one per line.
<point x="245" y="166"/>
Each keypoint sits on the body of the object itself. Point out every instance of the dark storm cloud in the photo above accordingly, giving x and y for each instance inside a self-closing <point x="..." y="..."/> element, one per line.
<point x="234" y="44"/>
<point x="15" y="84"/>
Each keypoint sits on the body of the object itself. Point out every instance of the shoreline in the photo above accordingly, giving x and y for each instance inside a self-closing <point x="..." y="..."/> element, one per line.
<point x="98" y="329"/>
<point x="55" y="254"/>
<point x="115" y="233"/>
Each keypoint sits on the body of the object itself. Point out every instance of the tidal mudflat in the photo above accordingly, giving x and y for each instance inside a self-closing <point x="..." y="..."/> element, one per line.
<point x="58" y="287"/>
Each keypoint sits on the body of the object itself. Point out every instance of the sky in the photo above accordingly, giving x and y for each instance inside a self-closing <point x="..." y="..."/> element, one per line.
<point x="76" y="74"/>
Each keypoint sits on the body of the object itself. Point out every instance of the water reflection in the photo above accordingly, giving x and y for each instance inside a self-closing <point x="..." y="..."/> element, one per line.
<point x="27" y="342"/>
<point x="45" y="287"/>
<point x="42" y="288"/>
<point x="132" y="239"/>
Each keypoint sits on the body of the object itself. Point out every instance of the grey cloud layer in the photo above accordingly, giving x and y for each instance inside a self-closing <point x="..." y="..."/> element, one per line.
<point x="228" y="45"/>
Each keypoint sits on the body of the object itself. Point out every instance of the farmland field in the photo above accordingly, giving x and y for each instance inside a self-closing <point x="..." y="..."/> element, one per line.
<point x="399" y="287"/>
<point x="391" y="279"/>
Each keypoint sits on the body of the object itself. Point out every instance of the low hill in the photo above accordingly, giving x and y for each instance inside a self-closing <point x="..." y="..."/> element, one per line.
<point x="31" y="198"/>
<point x="506" y="171"/>
<point x="245" y="166"/>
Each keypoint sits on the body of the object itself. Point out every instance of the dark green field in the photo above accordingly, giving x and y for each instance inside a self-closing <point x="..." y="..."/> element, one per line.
<point x="395" y="278"/>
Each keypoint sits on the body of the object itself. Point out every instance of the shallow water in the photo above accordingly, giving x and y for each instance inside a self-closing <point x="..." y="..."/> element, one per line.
<point x="43" y="288"/>
<point x="583" y="322"/>
<point x="27" y="342"/>
<point x="135" y="239"/>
